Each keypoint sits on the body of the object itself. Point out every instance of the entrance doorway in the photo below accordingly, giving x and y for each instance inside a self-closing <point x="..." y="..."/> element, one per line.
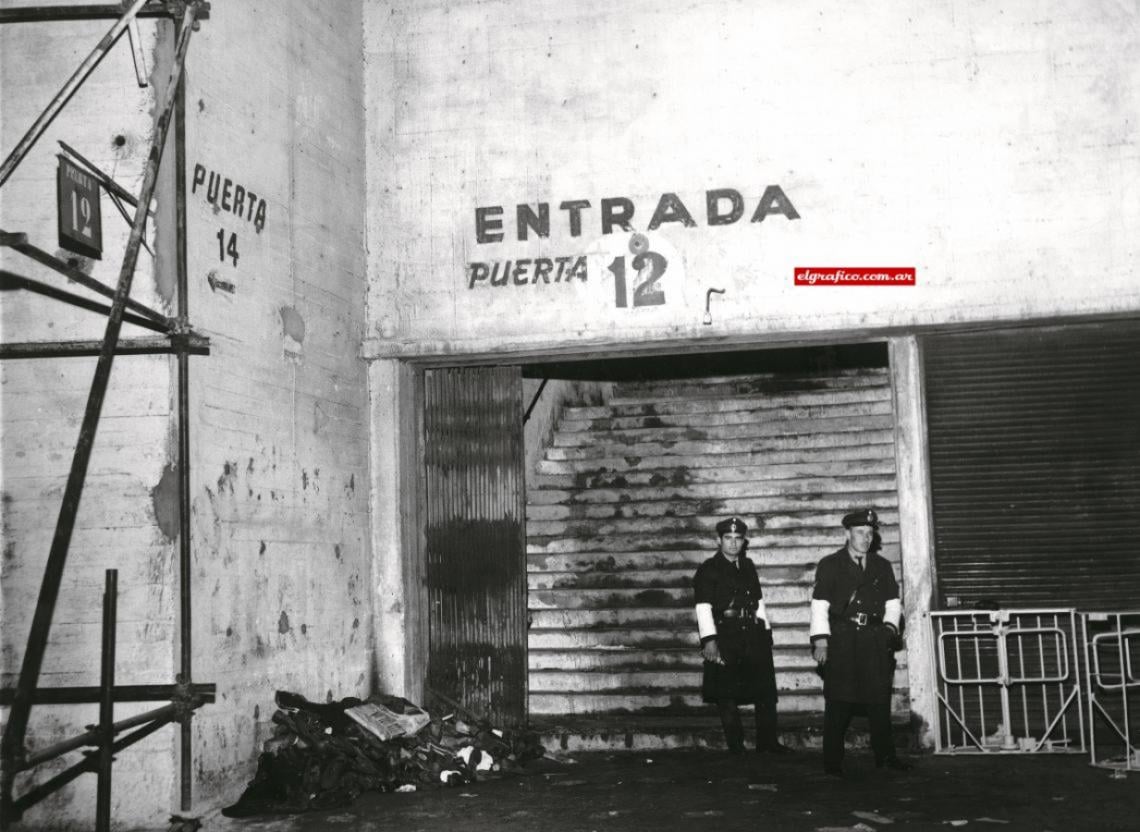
<point x="630" y="465"/>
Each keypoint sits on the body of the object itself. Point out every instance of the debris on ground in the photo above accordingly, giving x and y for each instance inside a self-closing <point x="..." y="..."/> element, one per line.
<point x="874" y="817"/>
<point x="323" y="756"/>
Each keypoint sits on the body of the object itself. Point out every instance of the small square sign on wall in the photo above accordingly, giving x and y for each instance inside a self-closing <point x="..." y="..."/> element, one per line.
<point x="80" y="218"/>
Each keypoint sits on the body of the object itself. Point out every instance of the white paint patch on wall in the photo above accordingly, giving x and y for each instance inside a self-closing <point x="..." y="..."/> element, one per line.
<point x="987" y="147"/>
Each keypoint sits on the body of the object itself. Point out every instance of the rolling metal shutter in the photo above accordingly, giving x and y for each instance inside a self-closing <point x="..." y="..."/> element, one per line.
<point x="476" y="544"/>
<point x="1035" y="466"/>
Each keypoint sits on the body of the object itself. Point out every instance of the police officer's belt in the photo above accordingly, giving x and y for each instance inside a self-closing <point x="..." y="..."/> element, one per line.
<point x="733" y="613"/>
<point x="864" y="619"/>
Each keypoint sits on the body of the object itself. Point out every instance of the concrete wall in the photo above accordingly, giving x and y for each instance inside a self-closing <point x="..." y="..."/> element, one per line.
<point x="986" y="146"/>
<point x="280" y="473"/>
<point x="543" y="421"/>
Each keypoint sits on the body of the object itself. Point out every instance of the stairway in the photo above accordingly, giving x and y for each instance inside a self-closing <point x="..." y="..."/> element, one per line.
<point x="622" y="509"/>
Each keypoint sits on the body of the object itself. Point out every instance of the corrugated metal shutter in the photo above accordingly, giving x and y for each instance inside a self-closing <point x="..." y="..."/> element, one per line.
<point x="476" y="546"/>
<point x="1035" y="465"/>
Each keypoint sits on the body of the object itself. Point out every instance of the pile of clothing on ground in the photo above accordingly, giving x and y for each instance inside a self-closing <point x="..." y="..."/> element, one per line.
<point x="323" y="756"/>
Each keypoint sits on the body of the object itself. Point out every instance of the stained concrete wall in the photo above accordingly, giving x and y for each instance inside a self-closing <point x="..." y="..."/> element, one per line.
<point x="279" y="477"/>
<point x="986" y="146"/>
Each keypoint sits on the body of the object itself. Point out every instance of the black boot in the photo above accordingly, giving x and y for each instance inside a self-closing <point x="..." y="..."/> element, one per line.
<point x="733" y="728"/>
<point x="767" y="735"/>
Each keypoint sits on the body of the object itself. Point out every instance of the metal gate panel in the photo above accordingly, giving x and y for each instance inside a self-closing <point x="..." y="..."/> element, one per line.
<point x="1112" y="665"/>
<point x="475" y="535"/>
<point x="1008" y="681"/>
<point x="1034" y="437"/>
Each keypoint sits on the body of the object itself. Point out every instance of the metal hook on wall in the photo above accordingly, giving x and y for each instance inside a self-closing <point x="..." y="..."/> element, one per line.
<point x="708" y="298"/>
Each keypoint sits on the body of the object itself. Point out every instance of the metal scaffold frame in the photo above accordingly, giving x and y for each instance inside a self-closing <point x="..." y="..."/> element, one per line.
<point x="175" y="337"/>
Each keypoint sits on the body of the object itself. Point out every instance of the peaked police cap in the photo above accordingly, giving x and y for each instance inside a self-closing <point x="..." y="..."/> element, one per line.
<point x="734" y="525"/>
<point x="862" y="517"/>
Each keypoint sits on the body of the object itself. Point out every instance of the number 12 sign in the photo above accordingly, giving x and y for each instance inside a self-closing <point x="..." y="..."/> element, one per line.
<point x="80" y="220"/>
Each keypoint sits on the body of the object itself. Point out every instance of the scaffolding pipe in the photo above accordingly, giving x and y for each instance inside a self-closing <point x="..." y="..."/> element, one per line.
<point x="193" y="343"/>
<point x="203" y="691"/>
<point x="107" y="703"/>
<point x="82" y="11"/>
<point x="78" y="77"/>
<point x="71" y="273"/>
<point x="91" y="737"/>
<point x="13" y="741"/>
<point x="9" y="281"/>
<point x="182" y="293"/>
<point x="18" y="807"/>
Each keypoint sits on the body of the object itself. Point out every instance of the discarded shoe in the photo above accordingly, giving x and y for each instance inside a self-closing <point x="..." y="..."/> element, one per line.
<point x="894" y="763"/>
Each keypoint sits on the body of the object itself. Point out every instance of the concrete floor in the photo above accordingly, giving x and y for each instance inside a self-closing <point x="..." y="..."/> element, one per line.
<point x="715" y="791"/>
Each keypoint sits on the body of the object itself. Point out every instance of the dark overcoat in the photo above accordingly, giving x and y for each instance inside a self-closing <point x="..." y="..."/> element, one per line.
<point x="860" y="659"/>
<point x="748" y="674"/>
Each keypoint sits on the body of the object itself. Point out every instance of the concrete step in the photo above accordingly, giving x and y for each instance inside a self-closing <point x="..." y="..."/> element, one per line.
<point x="711" y="447"/>
<point x="677" y="618"/>
<point x="806" y="413"/>
<point x="699" y="533"/>
<point x="593" y="599"/>
<point x="804" y="527"/>
<point x="679" y="476"/>
<point x="773" y="557"/>
<point x="678" y="702"/>
<point x="663" y="464"/>
<point x="573" y="734"/>
<point x="731" y="502"/>
<point x="680" y="636"/>
<point x="617" y="439"/>
<point x="656" y="579"/>
<point x="633" y="494"/>
<point x="753" y="383"/>
<point x="651" y="681"/>
<point x="686" y="658"/>
<point x="678" y="400"/>
<point x="637" y="407"/>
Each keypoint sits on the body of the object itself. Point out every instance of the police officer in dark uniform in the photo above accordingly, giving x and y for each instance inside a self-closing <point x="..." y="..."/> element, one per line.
<point x="855" y="615"/>
<point x="736" y="640"/>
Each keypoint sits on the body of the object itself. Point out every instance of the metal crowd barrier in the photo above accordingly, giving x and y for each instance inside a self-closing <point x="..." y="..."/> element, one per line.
<point x="1112" y="666"/>
<point x="1008" y="682"/>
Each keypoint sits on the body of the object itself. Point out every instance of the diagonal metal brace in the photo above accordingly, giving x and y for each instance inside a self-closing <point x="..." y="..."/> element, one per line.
<point x="19" y="242"/>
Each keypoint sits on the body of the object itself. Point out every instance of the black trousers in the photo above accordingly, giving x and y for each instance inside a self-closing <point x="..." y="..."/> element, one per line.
<point x="766" y="735"/>
<point x="836" y="718"/>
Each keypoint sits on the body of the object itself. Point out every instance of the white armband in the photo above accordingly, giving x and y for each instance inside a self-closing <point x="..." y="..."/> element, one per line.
<point x="892" y="612"/>
<point x="762" y="614"/>
<point x="705" y="624"/>
<point x="820" y="626"/>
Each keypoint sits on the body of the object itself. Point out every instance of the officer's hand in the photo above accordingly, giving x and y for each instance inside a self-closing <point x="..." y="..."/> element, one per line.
<point x="819" y="650"/>
<point x="894" y="642"/>
<point x="711" y="653"/>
